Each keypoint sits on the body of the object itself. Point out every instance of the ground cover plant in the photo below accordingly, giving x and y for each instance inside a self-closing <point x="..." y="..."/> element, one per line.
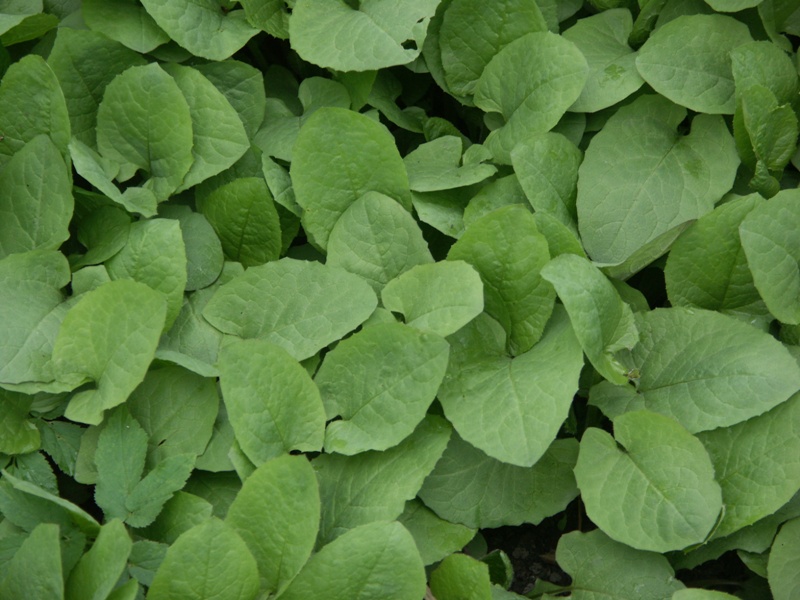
<point x="443" y="299"/>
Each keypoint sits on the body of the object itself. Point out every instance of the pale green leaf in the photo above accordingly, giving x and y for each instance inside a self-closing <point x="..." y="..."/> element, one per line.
<point x="277" y="515"/>
<point x="377" y="561"/>
<point x="18" y="434"/>
<point x="784" y="562"/>
<point x="201" y="26"/>
<point x="688" y="61"/>
<point x="300" y="306"/>
<point x="508" y="252"/>
<point x="370" y="35"/>
<point x="109" y="337"/>
<point x="97" y="571"/>
<point x="435" y="537"/>
<point x="271" y="16"/>
<point x="700" y="594"/>
<point x="655" y="470"/>
<point x="243" y="86"/>
<point x="339" y="156"/>
<point x="35" y="572"/>
<point x="204" y="258"/>
<point x="436" y="165"/>
<point x="125" y="21"/>
<point x="272" y="402"/>
<point x="640" y="178"/>
<point x="461" y="577"/>
<point x="179" y="514"/>
<point x="498" y="193"/>
<point x="380" y="381"/>
<point x="765" y="64"/>
<point x="209" y="561"/>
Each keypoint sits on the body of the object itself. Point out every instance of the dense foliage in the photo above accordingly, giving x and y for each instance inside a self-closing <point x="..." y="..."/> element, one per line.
<point x="306" y="298"/>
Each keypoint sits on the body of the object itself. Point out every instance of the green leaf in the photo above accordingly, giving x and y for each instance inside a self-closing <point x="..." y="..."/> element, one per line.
<point x="772" y="129"/>
<point x="547" y="167"/>
<point x="154" y="255"/>
<point x="125" y="21"/>
<point x="640" y="178"/>
<point x="700" y="594"/>
<point x="603" y="568"/>
<point x="109" y="337"/>
<point x="339" y="156"/>
<point x="300" y="306"/>
<point x="244" y="216"/>
<point x="18" y="434"/>
<point x="144" y="122"/>
<point x="377" y="239"/>
<point x="209" y="561"/>
<point x="377" y="561"/>
<point x="204" y="258"/>
<point x="33" y="104"/>
<point x="654" y="469"/>
<point x="380" y="381"/>
<point x="15" y="13"/>
<point x="272" y="402"/>
<point x="688" y="61"/>
<point x="440" y="297"/>
<point x="602" y="322"/>
<point x="755" y="464"/>
<point x="498" y="193"/>
<point x="377" y="34"/>
<point x="707" y="267"/>
<point x="473" y="32"/>
<point x="784" y="562"/>
<point x="30" y="303"/>
<point x="603" y="41"/>
<point x="35" y="571"/>
<point x="271" y="16"/>
<point x="34" y="26"/>
<point x="461" y="577"/>
<point x="243" y="86"/>
<point x="104" y="232"/>
<point x="508" y="252"/>
<point x="764" y="64"/>
<point x="277" y="515"/>
<point x="97" y="572"/>
<point x="374" y="486"/>
<point x="435" y="537"/>
<point x="546" y="87"/>
<point x="177" y="409"/>
<point x="201" y="26"/>
<point x="471" y="488"/>
<point x="180" y="513"/>
<point x="437" y="165"/>
<point x="513" y="408"/>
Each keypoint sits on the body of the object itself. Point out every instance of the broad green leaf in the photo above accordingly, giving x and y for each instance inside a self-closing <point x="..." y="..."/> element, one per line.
<point x="547" y="168"/>
<point x="61" y="440"/>
<point x="144" y="122"/>
<point x="244" y="216"/>
<point x="602" y="322"/>
<point x="104" y="232"/>
<point x="220" y="489"/>
<point x="30" y="307"/>
<point x="243" y="86"/>
<point x="377" y="561"/>
<point x="764" y="64"/>
<point x="370" y="35"/>
<point x="561" y="239"/>
<point x="272" y="402"/>
<point x="513" y="408"/>
<point x="707" y="267"/>
<point x="18" y="434"/>
<point x="380" y="381"/>
<point x="31" y="28"/>
<point x="146" y="556"/>
<point x="109" y="337"/>
<point x="508" y="252"/>
<point x="301" y="306"/>
<point x="15" y="13"/>
<point x="97" y="572"/>
<point x="277" y="515"/>
<point x="471" y="488"/>
<point x="688" y="61"/>
<point x="377" y="239"/>
<point x="461" y="577"/>
<point x="640" y="178"/>
<point x="201" y="26"/>
<point x="125" y="21"/>
<point x="756" y="464"/>
<point x="771" y="243"/>
<point x="177" y="409"/>
<point x="443" y="210"/>
<point x="35" y="572"/>
<point x="209" y="561"/>
<point x="440" y="297"/>
<point x="435" y="537"/>
<point x="498" y="193"/>
<point x="708" y="370"/>
<point x="33" y="104"/>
<point x="204" y="258"/>
<point x="374" y="486"/>
<point x="603" y="41"/>
<point x="602" y="568"/>
<point x="544" y="87"/>
<point x="436" y="165"/>
<point x="271" y="16"/>
<point x="654" y="469"/>
<point x="180" y="513"/>
<point x="339" y="156"/>
<point x="154" y="255"/>
<point x="784" y="562"/>
<point x="473" y="32"/>
<point x="219" y="138"/>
